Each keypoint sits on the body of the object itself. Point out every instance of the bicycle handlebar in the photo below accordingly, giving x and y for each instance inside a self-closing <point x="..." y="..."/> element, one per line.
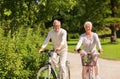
<point x="78" y="50"/>
<point x="46" y="51"/>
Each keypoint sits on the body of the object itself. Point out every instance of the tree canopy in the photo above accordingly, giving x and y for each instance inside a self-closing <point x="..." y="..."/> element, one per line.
<point x="41" y="13"/>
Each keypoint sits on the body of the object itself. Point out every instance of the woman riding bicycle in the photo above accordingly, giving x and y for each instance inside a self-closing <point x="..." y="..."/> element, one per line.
<point x="89" y="40"/>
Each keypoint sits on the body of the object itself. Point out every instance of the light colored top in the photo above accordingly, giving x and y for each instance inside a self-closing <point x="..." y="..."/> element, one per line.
<point x="57" y="38"/>
<point x="89" y="44"/>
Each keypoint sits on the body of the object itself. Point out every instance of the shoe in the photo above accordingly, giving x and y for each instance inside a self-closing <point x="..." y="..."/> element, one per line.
<point x="97" y="77"/>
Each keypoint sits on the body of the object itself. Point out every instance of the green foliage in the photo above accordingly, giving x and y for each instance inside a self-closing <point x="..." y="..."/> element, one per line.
<point x="19" y="58"/>
<point x="7" y="12"/>
<point x="49" y="9"/>
<point x="73" y="35"/>
<point x="111" y="20"/>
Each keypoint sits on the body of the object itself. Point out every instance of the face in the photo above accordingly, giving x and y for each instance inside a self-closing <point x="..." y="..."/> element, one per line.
<point x="56" y="26"/>
<point x="88" y="27"/>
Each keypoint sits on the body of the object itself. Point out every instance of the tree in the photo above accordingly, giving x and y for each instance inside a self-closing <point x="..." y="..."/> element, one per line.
<point x="31" y="13"/>
<point x="113" y="18"/>
<point x="84" y="10"/>
<point x="114" y="25"/>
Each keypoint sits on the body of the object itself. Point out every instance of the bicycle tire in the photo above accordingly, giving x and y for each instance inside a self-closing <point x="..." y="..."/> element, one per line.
<point x="43" y="73"/>
<point x="89" y="74"/>
<point x="68" y="69"/>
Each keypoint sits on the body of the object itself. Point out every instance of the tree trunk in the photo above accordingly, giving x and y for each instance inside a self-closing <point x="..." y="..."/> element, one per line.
<point x="112" y="26"/>
<point x="113" y="33"/>
<point x="112" y="2"/>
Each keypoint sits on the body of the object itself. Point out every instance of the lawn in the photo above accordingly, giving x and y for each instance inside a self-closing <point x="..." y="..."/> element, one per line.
<point x="110" y="50"/>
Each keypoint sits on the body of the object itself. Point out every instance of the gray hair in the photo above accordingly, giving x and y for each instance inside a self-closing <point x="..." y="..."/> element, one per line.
<point x="55" y="21"/>
<point x="87" y="22"/>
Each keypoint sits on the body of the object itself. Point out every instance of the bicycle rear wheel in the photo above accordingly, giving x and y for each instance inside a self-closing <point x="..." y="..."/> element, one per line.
<point x="46" y="72"/>
<point x="68" y="69"/>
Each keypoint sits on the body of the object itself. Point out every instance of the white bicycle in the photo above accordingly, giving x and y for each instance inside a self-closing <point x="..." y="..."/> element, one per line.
<point x="49" y="71"/>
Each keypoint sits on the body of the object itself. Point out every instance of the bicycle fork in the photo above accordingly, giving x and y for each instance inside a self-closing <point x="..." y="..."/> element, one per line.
<point x="49" y="71"/>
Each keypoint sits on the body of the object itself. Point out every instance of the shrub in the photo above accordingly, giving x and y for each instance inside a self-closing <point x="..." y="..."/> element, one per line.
<point x="19" y="58"/>
<point x="73" y="35"/>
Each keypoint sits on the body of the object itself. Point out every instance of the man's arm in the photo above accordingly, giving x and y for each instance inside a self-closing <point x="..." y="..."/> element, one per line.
<point x="45" y="43"/>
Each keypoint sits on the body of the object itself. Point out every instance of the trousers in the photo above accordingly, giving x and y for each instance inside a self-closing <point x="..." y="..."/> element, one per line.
<point x="60" y="61"/>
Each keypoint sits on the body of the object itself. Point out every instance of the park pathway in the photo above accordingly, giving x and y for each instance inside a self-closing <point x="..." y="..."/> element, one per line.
<point x="108" y="69"/>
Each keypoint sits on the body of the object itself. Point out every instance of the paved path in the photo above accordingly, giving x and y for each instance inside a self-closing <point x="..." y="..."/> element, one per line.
<point x="108" y="69"/>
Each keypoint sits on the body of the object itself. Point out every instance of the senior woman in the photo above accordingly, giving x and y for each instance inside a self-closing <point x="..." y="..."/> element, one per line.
<point x="89" y="40"/>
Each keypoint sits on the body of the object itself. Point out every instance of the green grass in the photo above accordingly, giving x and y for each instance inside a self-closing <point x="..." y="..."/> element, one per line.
<point x="71" y="44"/>
<point x="110" y="50"/>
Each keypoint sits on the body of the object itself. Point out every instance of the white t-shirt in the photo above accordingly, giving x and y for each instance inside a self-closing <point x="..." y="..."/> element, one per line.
<point x="57" y="38"/>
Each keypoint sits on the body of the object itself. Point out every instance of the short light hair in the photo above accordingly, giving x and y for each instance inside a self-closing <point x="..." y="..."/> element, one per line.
<point x="87" y="22"/>
<point x="55" y="21"/>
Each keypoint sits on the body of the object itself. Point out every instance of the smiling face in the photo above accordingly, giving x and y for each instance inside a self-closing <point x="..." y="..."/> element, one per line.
<point x="56" y="25"/>
<point x="88" y="27"/>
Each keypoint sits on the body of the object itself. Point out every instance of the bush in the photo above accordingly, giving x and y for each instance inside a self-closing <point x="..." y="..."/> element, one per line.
<point x="19" y="58"/>
<point x="73" y="36"/>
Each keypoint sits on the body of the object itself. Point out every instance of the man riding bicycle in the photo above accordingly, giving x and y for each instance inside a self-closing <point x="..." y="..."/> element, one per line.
<point x="58" y="37"/>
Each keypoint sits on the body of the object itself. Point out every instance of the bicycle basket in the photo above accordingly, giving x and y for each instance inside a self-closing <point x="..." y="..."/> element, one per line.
<point x="88" y="60"/>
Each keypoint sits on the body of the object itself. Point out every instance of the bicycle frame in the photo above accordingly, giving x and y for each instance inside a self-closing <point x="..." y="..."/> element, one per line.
<point x="50" y="65"/>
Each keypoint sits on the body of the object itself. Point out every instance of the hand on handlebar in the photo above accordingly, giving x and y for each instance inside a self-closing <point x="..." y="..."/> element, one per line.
<point x="41" y="49"/>
<point x="57" y="49"/>
<point x="100" y="50"/>
<point x="77" y="50"/>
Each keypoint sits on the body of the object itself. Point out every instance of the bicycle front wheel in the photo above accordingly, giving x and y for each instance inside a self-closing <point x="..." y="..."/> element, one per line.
<point x="46" y="72"/>
<point x="89" y="74"/>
